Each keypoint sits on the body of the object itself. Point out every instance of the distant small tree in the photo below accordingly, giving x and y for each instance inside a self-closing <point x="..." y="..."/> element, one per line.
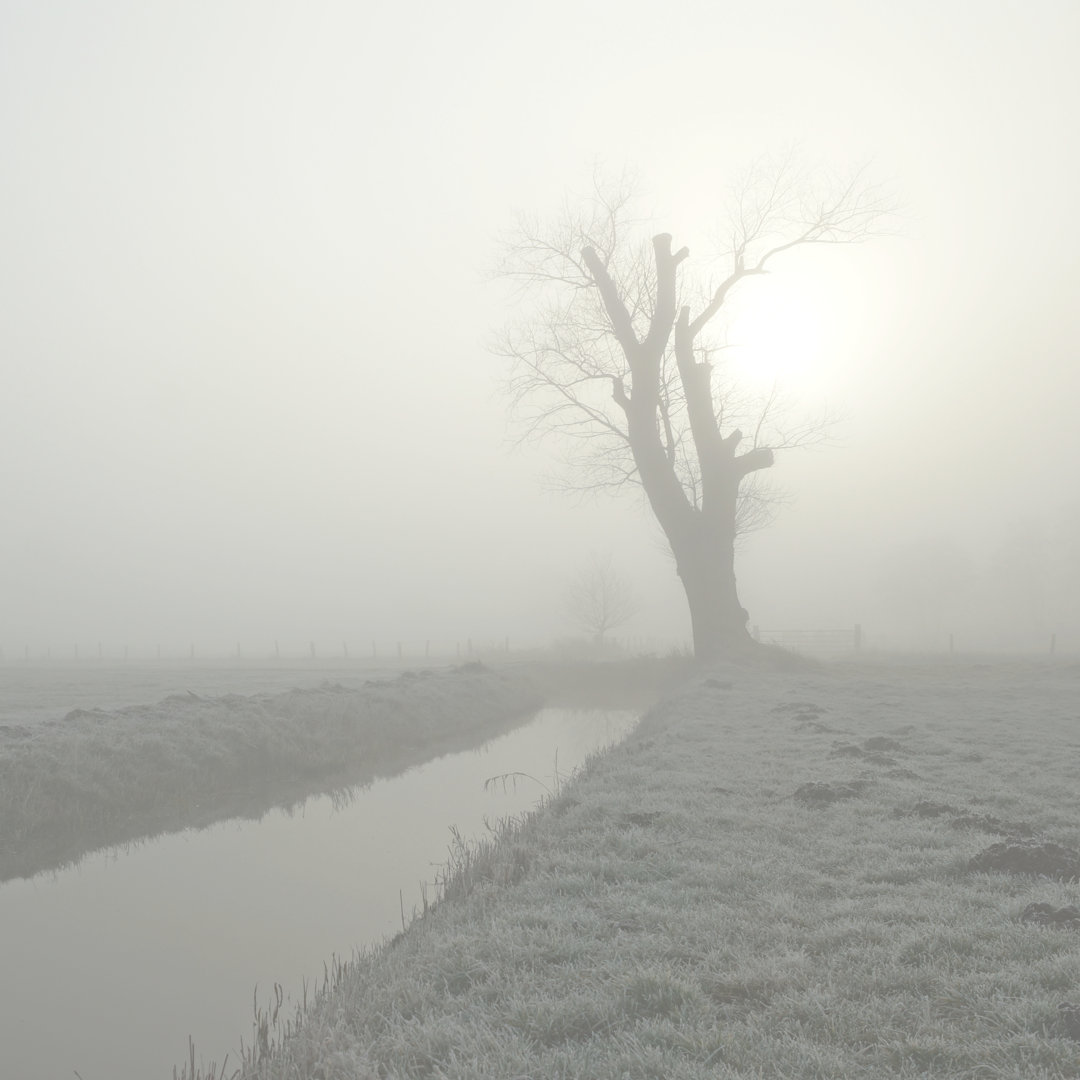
<point x="599" y="598"/>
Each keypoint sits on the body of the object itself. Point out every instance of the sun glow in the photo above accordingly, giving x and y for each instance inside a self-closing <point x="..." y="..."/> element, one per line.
<point x="779" y="334"/>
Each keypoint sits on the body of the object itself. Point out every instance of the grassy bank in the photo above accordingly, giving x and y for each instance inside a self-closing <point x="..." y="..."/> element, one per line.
<point x="100" y="778"/>
<point x="830" y="873"/>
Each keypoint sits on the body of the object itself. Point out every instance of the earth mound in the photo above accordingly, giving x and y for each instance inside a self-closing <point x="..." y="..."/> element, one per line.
<point x="1041" y="860"/>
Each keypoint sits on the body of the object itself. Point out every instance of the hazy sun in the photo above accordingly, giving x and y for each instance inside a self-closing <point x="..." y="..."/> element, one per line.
<point x="778" y="335"/>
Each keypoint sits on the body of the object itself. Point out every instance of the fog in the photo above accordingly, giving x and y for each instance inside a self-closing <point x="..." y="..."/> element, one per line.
<point x="243" y="257"/>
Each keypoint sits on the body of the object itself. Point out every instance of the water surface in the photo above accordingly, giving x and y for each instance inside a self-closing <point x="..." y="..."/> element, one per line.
<point x="109" y="966"/>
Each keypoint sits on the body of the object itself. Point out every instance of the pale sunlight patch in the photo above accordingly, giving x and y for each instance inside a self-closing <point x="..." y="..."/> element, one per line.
<point x="781" y="334"/>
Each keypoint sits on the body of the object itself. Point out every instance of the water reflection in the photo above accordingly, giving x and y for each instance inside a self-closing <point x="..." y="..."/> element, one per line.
<point x="109" y="966"/>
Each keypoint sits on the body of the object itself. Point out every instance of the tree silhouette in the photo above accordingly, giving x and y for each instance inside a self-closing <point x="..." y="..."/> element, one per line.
<point x="614" y="354"/>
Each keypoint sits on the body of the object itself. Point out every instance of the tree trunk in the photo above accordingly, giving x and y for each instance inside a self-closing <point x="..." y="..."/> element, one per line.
<point x="705" y="563"/>
<point x="701" y="538"/>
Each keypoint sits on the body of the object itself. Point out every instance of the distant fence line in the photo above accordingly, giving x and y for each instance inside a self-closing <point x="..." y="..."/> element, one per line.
<point x="373" y="650"/>
<point x="1046" y="643"/>
<point x="836" y="641"/>
<point x="827" y="641"/>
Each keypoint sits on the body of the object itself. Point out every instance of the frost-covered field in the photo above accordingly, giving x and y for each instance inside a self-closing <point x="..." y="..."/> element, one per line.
<point x="866" y="870"/>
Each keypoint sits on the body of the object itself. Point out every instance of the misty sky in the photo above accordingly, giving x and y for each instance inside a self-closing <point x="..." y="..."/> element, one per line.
<point x="247" y="393"/>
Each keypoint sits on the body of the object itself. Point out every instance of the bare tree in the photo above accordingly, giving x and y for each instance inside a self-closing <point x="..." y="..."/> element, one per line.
<point x="600" y="599"/>
<point x="615" y="356"/>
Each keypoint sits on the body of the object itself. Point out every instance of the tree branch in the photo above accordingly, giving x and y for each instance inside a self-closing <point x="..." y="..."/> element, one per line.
<point x="664" y="312"/>
<point x="697" y="387"/>
<point x="760" y="457"/>
<point x="621" y="324"/>
<point x="717" y="301"/>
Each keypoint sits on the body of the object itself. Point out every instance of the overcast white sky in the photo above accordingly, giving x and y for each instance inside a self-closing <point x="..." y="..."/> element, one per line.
<point x="246" y="394"/>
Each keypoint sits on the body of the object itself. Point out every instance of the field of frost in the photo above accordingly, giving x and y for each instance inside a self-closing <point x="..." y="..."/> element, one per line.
<point x="867" y="869"/>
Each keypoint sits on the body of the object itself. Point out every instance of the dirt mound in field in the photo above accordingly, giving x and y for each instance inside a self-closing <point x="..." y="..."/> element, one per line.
<point x="817" y="793"/>
<point x="801" y="709"/>
<point x="925" y="808"/>
<point x="1070" y="1020"/>
<point x="1043" y="860"/>
<point x="882" y="743"/>
<point x="1068" y="918"/>
<point x="962" y="820"/>
<point x="989" y="823"/>
<point x="846" y="749"/>
<point x="816" y="726"/>
<point x="719" y="684"/>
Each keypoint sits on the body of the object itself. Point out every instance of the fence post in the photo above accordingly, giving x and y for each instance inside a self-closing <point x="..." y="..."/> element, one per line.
<point x="311" y="645"/>
<point x="1053" y="644"/>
